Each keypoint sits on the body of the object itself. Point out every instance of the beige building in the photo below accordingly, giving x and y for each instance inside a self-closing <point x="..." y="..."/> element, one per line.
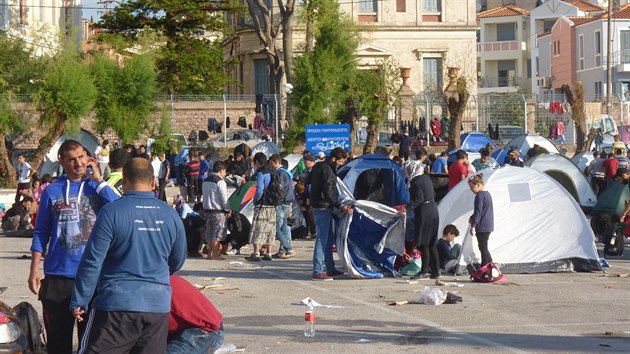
<point x="39" y="22"/>
<point x="424" y="36"/>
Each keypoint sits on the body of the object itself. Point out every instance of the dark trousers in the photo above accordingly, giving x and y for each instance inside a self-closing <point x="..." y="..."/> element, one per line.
<point x="430" y="259"/>
<point x="162" y="189"/>
<point x="482" y="241"/>
<point x="191" y="189"/>
<point x="20" y="187"/>
<point x="55" y="296"/>
<point x="126" y="332"/>
<point x="598" y="184"/>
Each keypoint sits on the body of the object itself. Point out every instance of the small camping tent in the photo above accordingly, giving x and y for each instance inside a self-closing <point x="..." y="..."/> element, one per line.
<point x="538" y="226"/>
<point x="471" y="143"/>
<point x="50" y="165"/>
<point x="266" y="147"/>
<point x="376" y="178"/>
<point x="368" y="239"/>
<point x="524" y="142"/>
<point x="567" y="174"/>
<point x="582" y="160"/>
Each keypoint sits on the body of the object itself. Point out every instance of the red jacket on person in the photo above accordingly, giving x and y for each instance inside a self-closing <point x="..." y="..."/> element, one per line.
<point x="191" y="309"/>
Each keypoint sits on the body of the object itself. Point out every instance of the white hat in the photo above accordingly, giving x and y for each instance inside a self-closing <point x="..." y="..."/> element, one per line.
<point x="321" y="155"/>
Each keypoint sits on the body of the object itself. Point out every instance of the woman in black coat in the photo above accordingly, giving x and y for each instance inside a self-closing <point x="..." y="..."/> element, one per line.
<point x="426" y="219"/>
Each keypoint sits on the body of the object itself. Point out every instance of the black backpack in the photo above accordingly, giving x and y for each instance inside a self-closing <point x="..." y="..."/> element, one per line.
<point x="274" y="193"/>
<point x="31" y="328"/>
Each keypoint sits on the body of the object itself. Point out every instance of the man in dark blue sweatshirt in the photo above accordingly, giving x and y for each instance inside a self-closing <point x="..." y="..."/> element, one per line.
<point x="136" y="244"/>
<point x="67" y="211"/>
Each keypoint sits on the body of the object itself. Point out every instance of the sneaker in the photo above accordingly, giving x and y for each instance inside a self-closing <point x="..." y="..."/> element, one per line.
<point x="278" y="255"/>
<point x="336" y="273"/>
<point x="321" y="277"/>
<point x="435" y="276"/>
<point x="421" y="276"/>
<point x="232" y="252"/>
<point x="255" y="257"/>
<point x="267" y="257"/>
<point x="288" y="255"/>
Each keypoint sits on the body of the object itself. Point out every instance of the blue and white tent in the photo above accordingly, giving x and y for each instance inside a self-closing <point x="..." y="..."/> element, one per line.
<point x="471" y="143"/>
<point x="375" y="178"/>
<point x="369" y="239"/>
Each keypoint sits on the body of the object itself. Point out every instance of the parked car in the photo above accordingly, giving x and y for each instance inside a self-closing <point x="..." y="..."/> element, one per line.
<point x="238" y="136"/>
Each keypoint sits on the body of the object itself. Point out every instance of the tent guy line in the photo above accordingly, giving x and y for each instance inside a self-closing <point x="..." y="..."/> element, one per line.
<point x="408" y="317"/>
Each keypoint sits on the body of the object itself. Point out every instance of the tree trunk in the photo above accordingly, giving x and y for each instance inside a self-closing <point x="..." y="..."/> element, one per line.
<point x="372" y="138"/>
<point x="7" y="170"/>
<point x="45" y="143"/>
<point x="456" y="108"/>
<point x="579" y="118"/>
<point x="310" y="38"/>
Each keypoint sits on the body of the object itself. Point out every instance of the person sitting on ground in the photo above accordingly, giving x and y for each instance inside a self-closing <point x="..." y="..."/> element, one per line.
<point x="18" y="217"/>
<point x="449" y="253"/>
<point x="238" y="167"/>
<point x="194" y="323"/>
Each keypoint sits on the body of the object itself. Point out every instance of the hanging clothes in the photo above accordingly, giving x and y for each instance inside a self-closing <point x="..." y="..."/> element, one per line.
<point x="436" y="127"/>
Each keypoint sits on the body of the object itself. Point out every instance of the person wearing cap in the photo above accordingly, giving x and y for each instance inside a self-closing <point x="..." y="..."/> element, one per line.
<point x="321" y="156"/>
<point x="514" y="158"/>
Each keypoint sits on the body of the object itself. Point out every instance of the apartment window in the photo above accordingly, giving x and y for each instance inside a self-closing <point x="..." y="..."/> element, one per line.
<point x="598" y="48"/>
<point x="401" y="5"/>
<point x="368" y="6"/>
<point x="261" y="76"/>
<point x="599" y="89"/>
<point x="581" y="51"/>
<point x="529" y="68"/>
<point x="556" y="48"/>
<point x="624" y="55"/>
<point x="506" y="32"/>
<point x="431" y="5"/>
<point x="432" y="73"/>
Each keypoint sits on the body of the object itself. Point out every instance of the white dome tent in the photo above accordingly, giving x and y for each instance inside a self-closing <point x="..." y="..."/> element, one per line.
<point x="567" y="174"/>
<point x="538" y="226"/>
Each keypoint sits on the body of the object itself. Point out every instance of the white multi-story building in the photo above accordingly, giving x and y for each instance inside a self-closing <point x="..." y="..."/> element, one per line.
<point x="40" y="22"/>
<point x="503" y="55"/>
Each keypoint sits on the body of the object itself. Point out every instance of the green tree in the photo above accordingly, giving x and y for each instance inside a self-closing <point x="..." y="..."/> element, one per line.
<point x="65" y="93"/>
<point x="323" y="76"/>
<point x="125" y="98"/>
<point x="188" y="62"/>
<point x="18" y="68"/>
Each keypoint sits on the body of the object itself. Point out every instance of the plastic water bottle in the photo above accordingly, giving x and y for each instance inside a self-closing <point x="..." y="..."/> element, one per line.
<point x="309" y="319"/>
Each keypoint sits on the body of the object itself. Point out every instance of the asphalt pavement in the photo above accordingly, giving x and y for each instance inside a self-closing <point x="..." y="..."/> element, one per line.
<point x="551" y="312"/>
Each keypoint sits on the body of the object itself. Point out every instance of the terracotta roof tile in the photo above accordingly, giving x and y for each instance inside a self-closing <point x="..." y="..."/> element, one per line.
<point x="585" y="6"/>
<point x="503" y="11"/>
<point x="580" y="20"/>
<point x="623" y="13"/>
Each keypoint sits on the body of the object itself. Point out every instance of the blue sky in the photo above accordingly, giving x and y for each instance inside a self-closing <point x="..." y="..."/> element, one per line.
<point x="89" y="9"/>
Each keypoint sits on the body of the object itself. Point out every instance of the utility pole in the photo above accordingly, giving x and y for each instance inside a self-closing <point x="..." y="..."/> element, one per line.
<point x="609" y="77"/>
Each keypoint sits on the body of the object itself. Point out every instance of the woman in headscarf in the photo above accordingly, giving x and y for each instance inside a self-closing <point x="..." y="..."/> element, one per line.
<point x="426" y="217"/>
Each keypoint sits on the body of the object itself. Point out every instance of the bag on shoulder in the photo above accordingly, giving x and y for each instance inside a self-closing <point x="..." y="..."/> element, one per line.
<point x="31" y="328"/>
<point x="274" y="193"/>
<point x="489" y="273"/>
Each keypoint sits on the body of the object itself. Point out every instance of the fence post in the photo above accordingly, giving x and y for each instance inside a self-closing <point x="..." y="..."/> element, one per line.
<point x="224" y="121"/>
<point x="620" y="117"/>
<point x="427" y="122"/>
<point x="525" y="112"/>
<point x="172" y="113"/>
<point x="275" y="98"/>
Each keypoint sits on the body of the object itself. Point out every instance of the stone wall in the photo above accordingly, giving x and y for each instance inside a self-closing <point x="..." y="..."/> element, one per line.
<point x="185" y="116"/>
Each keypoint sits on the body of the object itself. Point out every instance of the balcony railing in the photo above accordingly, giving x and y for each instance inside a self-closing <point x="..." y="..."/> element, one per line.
<point x="500" y="46"/>
<point x="511" y="81"/>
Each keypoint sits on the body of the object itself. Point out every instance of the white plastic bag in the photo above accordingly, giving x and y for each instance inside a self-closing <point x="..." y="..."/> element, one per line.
<point x="432" y="296"/>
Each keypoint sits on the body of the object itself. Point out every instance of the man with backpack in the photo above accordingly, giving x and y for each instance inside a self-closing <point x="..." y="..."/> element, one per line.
<point x="324" y="202"/>
<point x="283" y="211"/>
<point x="269" y="194"/>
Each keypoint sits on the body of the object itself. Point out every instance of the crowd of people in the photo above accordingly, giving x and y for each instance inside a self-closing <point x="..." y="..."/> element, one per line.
<point x="90" y="226"/>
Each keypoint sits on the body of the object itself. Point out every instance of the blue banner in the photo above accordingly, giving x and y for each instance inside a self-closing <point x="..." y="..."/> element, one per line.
<point x="325" y="137"/>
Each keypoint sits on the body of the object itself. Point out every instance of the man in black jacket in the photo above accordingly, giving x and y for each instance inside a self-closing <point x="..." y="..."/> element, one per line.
<point x="325" y="199"/>
<point x="17" y="217"/>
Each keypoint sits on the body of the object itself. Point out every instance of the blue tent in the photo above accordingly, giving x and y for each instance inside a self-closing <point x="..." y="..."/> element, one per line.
<point x="375" y="178"/>
<point x="368" y="239"/>
<point x="471" y="143"/>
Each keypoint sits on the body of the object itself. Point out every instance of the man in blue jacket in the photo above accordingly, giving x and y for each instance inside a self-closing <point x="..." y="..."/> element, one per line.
<point x="67" y="211"/>
<point x="136" y="244"/>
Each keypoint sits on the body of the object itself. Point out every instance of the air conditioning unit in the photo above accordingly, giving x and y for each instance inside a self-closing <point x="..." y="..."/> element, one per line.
<point x="545" y="81"/>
